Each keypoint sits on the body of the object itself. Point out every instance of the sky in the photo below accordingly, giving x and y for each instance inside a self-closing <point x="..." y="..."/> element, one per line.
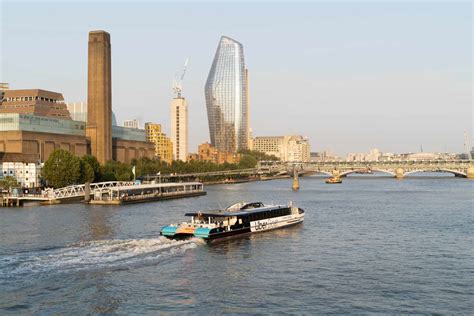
<point x="350" y="76"/>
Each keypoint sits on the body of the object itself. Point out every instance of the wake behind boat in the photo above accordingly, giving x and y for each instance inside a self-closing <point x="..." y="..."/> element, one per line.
<point x="237" y="219"/>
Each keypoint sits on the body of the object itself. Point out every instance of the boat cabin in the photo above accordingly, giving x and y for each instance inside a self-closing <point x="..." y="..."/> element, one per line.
<point x="238" y="215"/>
<point x="144" y="191"/>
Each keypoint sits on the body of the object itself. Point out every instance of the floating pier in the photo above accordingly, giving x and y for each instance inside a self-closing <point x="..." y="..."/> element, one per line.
<point x="145" y="193"/>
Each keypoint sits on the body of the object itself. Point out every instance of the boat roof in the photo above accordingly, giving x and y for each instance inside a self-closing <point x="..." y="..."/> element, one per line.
<point x="241" y="212"/>
<point x="152" y="186"/>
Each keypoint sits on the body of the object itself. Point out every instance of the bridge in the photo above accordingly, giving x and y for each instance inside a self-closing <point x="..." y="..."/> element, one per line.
<point x="199" y="175"/>
<point x="79" y="190"/>
<point x="56" y="196"/>
<point x="396" y="168"/>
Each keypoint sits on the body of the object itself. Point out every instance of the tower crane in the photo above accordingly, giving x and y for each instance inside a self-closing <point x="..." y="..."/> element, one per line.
<point x="178" y="83"/>
<point x="466" y="147"/>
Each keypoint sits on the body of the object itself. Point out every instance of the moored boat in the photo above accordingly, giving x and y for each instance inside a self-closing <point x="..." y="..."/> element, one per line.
<point x="240" y="218"/>
<point x="140" y="193"/>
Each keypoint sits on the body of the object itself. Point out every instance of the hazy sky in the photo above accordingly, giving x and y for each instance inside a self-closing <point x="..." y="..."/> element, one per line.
<point x="350" y="76"/>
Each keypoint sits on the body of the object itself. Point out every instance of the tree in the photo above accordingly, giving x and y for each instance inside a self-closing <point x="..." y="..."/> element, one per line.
<point x="62" y="169"/>
<point x="120" y="171"/>
<point x="108" y="176"/>
<point x="87" y="172"/>
<point x="247" y="161"/>
<point x="9" y="182"/>
<point x="92" y="161"/>
<point x="258" y="155"/>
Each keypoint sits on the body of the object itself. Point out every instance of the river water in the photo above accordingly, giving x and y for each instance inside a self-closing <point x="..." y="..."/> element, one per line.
<point x="369" y="245"/>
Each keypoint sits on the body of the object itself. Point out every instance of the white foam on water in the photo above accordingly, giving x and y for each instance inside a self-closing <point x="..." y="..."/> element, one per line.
<point x="92" y="255"/>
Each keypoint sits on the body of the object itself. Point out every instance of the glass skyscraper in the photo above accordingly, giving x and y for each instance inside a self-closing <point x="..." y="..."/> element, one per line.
<point x="227" y="98"/>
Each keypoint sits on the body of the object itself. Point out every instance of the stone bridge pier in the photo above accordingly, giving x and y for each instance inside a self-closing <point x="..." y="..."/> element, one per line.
<point x="470" y="173"/>
<point x="399" y="173"/>
<point x="336" y="173"/>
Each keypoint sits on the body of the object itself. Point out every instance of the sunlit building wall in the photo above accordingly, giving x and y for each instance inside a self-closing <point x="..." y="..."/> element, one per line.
<point x="163" y="145"/>
<point x="286" y="148"/>
<point x="131" y="123"/>
<point x="179" y="128"/>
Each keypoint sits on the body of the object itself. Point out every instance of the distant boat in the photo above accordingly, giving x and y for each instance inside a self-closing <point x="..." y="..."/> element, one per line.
<point x="365" y="171"/>
<point x="333" y="180"/>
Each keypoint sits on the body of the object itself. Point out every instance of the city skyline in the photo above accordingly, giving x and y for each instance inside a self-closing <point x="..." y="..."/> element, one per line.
<point x="373" y="85"/>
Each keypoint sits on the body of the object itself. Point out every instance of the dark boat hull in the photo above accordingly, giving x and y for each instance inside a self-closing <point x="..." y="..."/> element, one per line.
<point x="230" y="234"/>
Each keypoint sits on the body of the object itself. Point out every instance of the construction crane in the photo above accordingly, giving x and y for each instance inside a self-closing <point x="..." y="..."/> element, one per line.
<point x="178" y="83"/>
<point x="466" y="147"/>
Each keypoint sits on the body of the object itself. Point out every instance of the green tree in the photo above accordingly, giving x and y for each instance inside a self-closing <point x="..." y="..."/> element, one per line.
<point x="120" y="171"/>
<point x="87" y="172"/>
<point x="258" y="155"/>
<point x="9" y="182"/>
<point x="62" y="169"/>
<point x="92" y="161"/>
<point x="108" y="176"/>
<point x="247" y="161"/>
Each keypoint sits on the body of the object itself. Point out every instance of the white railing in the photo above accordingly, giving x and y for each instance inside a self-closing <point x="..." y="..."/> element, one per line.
<point x="79" y="189"/>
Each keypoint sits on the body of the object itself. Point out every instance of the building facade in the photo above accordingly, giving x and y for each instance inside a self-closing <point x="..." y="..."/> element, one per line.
<point x="4" y="86"/>
<point x="209" y="153"/>
<point x="131" y="123"/>
<point x="99" y="96"/>
<point x="298" y="149"/>
<point x="78" y="111"/>
<point x="35" y="102"/>
<point x="286" y="148"/>
<point x="28" y="175"/>
<point x="33" y="138"/>
<point x="179" y="128"/>
<point x="226" y="92"/>
<point x="162" y="144"/>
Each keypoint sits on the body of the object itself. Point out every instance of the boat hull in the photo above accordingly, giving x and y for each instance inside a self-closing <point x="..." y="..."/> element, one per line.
<point x="255" y="227"/>
<point x="147" y="199"/>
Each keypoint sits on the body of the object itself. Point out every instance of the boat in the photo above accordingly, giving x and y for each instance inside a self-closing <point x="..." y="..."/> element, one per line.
<point x="140" y="193"/>
<point x="334" y="180"/>
<point x="364" y="171"/>
<point x="237" y="219"/>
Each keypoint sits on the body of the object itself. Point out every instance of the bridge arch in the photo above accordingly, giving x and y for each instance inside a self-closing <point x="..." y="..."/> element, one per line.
<point x="345" y="173"/>
<point x="327" y="173"/>
<point x="455" y="172"/>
